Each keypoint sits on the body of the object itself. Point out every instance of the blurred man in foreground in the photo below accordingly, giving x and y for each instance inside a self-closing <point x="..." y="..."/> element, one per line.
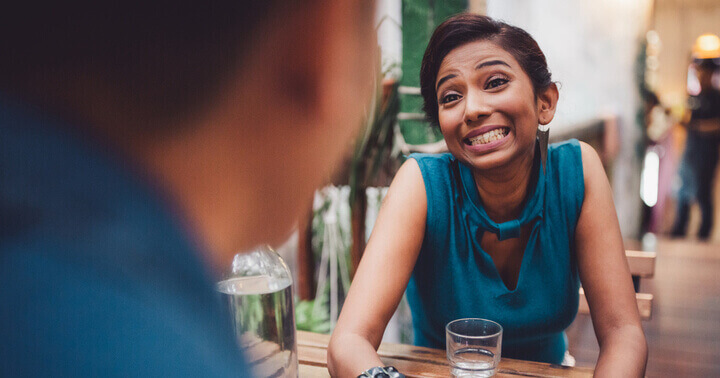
<point x="142" y="144"/>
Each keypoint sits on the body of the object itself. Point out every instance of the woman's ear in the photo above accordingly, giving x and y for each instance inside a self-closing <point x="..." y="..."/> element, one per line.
<point x="547" y="103"/>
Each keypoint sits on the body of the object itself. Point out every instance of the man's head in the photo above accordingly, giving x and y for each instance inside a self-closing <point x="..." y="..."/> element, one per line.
<point x="151" y="62"/>
<point x="238" y="109"/>
<point x="705" y="68"/>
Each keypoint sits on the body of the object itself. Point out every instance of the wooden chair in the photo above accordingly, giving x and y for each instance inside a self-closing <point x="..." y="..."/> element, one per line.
<point x="642" y="265"/>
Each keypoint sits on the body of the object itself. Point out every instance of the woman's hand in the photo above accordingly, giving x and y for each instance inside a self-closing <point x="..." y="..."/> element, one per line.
<point x="382" y="276"/>
<point x="606" y="277"/>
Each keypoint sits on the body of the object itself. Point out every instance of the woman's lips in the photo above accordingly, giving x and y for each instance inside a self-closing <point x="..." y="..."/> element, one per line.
<point x="486" y="138"/>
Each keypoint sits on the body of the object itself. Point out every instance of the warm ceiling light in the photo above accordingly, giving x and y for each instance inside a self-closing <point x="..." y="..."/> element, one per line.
<point x="707" y="46"/>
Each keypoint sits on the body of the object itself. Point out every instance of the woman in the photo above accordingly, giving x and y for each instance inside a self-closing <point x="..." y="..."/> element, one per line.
<point x="491" y="229"/>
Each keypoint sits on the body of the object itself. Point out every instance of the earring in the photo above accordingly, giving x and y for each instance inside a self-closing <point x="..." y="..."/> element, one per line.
<point x="542" y="137"/>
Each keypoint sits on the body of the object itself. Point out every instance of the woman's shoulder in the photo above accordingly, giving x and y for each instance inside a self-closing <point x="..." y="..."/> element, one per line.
<point x="567" y="156"/>
<point x="570" y="147"/>
<point x="434" y="166"/>
<point x="574" y="153"/>
<point x="440" y="176"/>
<point x="566" y="160"/>
<point x="433" y="159"/>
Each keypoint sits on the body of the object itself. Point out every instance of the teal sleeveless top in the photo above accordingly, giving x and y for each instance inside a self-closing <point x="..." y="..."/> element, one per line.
<point x="454" y="278"/>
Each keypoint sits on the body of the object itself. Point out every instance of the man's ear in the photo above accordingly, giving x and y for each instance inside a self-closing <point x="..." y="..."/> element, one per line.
<point x="299" y="55"/>
<point x="547" y="103"/>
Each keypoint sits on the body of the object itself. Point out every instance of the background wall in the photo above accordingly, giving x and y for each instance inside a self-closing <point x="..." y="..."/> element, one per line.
<point x="592" y="49"/>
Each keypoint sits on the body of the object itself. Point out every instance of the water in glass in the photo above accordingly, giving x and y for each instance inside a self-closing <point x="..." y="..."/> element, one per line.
<point x="473" y="362"/>
<point x="473" y="347"/>
<point x="263" y="317"/>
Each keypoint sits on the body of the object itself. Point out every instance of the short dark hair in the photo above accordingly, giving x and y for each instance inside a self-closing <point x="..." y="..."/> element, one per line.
<point x="162" y="60"/>
<point x="707" y="64"/>
<point x="463" y="28"/>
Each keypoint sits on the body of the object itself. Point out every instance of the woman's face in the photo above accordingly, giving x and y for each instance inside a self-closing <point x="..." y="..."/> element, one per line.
<point x="487" y="109"/>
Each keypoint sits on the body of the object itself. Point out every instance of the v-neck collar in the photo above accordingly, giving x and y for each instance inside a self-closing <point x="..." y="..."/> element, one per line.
<point x="474" y="209"/>
<point x="477" y="221"/>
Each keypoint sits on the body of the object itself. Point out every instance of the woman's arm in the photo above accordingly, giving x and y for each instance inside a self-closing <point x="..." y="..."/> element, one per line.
<point x="382" y="276"/>
<point x="606" y="277"/>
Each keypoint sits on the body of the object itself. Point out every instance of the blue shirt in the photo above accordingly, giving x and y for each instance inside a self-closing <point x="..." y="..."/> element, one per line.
<point x="455" y="278"/>
<point x="96" y="277"/>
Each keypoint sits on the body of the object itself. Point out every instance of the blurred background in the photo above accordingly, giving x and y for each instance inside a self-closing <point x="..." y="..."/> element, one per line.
<point x="625" y="70"/>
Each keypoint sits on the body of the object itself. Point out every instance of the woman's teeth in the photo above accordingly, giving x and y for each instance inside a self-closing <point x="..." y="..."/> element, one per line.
<point x="488" y="137"/>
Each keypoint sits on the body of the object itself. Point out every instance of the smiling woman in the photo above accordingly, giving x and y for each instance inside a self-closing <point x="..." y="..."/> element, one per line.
<point x="483" y="231"/>
<point x="486" y="103"/>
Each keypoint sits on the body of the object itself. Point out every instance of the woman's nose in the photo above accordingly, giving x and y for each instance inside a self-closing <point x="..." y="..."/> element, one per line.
<point x="476" y="107"/>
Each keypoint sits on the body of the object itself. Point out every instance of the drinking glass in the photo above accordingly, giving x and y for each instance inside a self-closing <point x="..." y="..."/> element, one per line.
<point x="473" y="347"/>
<point x="258" y="292"/>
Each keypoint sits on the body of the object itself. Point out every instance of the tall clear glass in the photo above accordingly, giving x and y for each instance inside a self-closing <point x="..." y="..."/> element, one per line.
<point x="258" y="291"/>
<point x="473" y="347"/>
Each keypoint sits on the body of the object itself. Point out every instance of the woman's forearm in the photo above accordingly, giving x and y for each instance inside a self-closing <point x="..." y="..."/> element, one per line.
<point x="623" y="353"/>
<point x="349" y="355"/>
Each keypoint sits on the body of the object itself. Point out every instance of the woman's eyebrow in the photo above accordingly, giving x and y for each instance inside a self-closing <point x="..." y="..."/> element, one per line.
<point x="479" y="66"/>
<point x="444" y="79"/>
<point x="491" y="63"/>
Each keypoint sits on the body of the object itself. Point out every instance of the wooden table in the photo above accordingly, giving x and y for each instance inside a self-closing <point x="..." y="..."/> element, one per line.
<point x="414" y="361"/>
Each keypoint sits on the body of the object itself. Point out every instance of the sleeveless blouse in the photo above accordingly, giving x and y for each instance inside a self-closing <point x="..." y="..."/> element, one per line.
<point x="455" y="278"/>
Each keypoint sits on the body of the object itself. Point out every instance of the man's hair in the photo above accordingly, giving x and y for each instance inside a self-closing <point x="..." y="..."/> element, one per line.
<point x="160" y="60"/>
<point x="707" y="64"/>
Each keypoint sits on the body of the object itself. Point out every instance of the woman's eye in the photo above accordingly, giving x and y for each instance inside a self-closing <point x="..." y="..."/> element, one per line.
<point x="449" y="98"/>
<point x="494" y="83"/>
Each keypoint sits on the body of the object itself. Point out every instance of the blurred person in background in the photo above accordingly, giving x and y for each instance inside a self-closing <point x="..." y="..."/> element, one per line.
<point x="659" y="124"/>
<point x="697" y="168"/>
<point x="142" y="145"/>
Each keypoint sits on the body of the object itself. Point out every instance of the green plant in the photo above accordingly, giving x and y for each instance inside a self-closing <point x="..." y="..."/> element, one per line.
<point x="374" y="148"/>
<point x="307" y="319"/>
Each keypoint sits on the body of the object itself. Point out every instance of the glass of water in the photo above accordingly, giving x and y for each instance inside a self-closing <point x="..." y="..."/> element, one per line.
<point x="473" y="347"/>
<point x="258" y="292"/>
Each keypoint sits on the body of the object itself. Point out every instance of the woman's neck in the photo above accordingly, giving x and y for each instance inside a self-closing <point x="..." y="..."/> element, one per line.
<point x="503" y="190"/>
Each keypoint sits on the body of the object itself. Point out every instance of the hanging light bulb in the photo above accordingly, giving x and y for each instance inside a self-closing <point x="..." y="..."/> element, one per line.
<point x="707" y="46"/>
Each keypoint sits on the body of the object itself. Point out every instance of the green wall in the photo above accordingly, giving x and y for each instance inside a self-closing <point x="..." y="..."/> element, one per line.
<point x="419" y="19"/>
